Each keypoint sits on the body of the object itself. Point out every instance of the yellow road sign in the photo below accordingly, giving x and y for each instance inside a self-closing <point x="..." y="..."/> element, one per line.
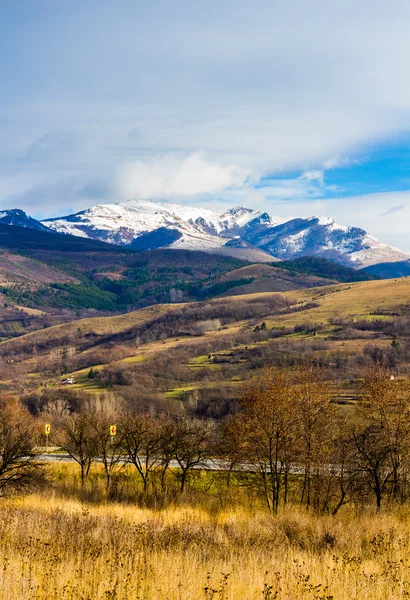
<point x="113" y="430"/>
<point x="47" y="428"/>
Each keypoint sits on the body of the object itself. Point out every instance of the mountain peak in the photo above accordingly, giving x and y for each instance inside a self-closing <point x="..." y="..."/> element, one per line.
<point x="238" y="210"/>
<point x="196" y="228"/>
<point x="17" y="217"/>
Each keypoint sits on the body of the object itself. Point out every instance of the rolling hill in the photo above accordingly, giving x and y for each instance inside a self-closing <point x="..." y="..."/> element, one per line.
<point x="76" y="273"/>
<point x="172" y="351"/>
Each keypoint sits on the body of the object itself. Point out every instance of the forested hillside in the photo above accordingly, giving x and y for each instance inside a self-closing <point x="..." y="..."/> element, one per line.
<point x="67" y="277"/>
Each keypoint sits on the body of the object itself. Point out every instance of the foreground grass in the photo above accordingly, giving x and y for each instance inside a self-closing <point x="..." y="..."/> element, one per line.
<point x="53" y="547"/>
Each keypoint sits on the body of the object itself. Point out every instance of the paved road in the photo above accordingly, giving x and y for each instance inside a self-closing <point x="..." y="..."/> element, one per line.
<point x="209" y="464"/>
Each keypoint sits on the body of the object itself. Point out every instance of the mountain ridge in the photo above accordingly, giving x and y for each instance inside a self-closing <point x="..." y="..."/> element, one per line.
<point x="19" y="218"/>
<point x="239" y="231"/>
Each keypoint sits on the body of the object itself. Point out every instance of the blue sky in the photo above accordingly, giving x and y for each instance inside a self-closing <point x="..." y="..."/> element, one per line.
<point x="296" y="108"/>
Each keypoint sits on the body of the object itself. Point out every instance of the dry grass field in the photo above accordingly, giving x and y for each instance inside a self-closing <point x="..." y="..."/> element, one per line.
<point x="355" y="300"/>
<point x="53" y="549"/>
<point x="339" y="300"/>
<point x="99" y="325"/>
<point x="211" y="542"/>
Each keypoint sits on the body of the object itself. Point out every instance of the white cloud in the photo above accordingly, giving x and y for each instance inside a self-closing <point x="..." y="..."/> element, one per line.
<point x="337" y="162"/>
<point x="285" y="92"/>
<point x="314" y="175"/>
<point x="173" y="176"/>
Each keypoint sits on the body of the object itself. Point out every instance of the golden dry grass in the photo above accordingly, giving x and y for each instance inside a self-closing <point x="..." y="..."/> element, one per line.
<point x="341" y="300"/>
<point x="356" y="300"/>
<point x="53" y="548"/>
<point x="100" y="325"/>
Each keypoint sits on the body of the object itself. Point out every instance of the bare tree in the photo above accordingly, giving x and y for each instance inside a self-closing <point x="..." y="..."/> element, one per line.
<point x="231" y="447"/>
<point x="59" y="407"/>
<point x="109" y="447"/>
<point x="141" y="437"/>
<point x="316" y="418"/>
<point x="20" y="469"/>
<point x="193" y="440"/>
<point x="265" y="432"/>
<point x="382" y="438"/>
<point x="76" y="435"/>
<point x="167" y="433"/>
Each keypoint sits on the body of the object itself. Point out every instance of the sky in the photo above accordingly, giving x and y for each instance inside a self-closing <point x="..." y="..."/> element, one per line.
<point x="295" y="107"/>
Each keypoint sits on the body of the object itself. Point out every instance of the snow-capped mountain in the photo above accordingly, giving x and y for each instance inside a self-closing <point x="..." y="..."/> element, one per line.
<point x="148" y="225"/>
<point x="122" y="223"/>
<point x="240" y="231"/>
<point x="19" y="218"/>
<point x="234" y="221"/>
<point x="321" y="236"/>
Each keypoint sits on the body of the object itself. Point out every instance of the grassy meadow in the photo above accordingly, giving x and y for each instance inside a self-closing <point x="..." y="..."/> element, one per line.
<point x="64" y="543"/>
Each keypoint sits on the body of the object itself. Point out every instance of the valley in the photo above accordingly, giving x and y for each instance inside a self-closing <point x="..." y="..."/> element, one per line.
<point x="172" y="352"/>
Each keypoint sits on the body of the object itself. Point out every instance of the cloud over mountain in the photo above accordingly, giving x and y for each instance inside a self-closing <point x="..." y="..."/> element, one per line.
<point x="173" y="176"/>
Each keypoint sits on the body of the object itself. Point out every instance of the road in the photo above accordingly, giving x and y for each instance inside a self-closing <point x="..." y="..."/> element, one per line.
<point x="209" y="464"/>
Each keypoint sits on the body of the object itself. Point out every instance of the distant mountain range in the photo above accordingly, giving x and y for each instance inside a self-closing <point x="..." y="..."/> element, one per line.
<point x="240" y="232"/>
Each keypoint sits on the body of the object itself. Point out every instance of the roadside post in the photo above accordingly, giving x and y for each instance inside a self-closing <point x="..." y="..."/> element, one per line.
<point x="113" y="433"/>
<point x="47" y="431"/>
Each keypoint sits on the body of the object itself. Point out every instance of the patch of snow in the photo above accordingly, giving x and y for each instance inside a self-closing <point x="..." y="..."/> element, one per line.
<point x="330" y="224"/>
<point x="295" y="243"/>
<point x="122" y="222"/>
<point x="375" y="252"/>
<point x="61" y="227"/>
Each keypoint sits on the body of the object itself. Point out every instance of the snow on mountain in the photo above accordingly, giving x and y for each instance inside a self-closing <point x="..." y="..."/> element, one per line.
<point x="374" y="251"/>
<point x="116" y="223"/>
<point x="205" y="220"/>
<point x="147" y="224"/>
<point x="19" y="218"/>
<point x="122" y="223"/>
<point x="233" y="221"/>
<point x="321" y="236"/>
<point x="183" y="213"/>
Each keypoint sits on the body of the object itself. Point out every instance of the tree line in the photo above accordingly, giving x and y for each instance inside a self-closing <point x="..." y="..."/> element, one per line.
<point x="288" y="443"/>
